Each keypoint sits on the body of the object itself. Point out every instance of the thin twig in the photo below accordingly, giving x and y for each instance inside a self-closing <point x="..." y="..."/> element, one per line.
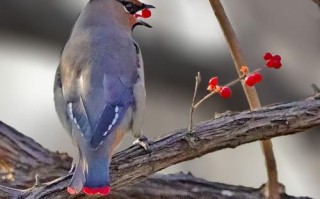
<point x="251" y="94"/>
<point x="198" y="81"/>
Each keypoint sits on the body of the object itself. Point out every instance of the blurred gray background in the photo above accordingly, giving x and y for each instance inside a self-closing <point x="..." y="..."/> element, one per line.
<point x="185" y="39"/>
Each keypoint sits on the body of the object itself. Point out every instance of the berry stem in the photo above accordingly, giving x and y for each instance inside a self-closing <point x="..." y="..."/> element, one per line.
<point x="232" y="83"/>
<point x="251" y="94"/>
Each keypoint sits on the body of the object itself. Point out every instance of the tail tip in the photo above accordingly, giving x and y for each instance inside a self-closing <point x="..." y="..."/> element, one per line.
<point x="71" y="190"/>
<point x="97" y="190"/>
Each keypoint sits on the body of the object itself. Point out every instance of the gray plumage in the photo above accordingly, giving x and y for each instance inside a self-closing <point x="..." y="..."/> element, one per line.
<point x="99" y="89"/>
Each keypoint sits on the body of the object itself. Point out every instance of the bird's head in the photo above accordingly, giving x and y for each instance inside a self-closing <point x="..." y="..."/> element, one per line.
<point x="134" y="6"/>
<point x="137" y="9"/>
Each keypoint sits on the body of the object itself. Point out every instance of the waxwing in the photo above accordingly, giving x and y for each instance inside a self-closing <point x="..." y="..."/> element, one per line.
<point x="99" y="88"/>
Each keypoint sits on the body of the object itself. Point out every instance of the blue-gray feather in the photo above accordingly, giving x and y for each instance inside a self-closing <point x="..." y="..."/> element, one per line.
<point x="80" y="118"/>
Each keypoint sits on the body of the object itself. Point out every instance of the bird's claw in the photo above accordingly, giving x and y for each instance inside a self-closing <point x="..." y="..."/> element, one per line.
<point x="143" y="142"/>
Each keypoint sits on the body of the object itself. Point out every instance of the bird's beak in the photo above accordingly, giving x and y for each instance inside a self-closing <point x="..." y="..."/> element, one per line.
<point x="148" y="6"/>
<point x="140" y="23"/>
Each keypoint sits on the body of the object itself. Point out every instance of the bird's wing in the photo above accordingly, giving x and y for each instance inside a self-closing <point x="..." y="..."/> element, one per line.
<point x="117" y="98"/>
<point x="60" y="103"/>
<point x="78" y="115"/>
<point x="118" y="95"/>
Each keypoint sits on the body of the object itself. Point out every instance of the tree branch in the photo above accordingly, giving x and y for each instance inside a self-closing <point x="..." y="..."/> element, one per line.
<point x="20" y="155"/>
<point x="21" y="159"/>
<point x="178" y="185"/>
<point x="187" y="186"/>
<point x="317" y="2"/>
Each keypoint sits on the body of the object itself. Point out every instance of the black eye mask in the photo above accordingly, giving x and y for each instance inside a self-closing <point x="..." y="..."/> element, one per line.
<point x="131" y="7"/>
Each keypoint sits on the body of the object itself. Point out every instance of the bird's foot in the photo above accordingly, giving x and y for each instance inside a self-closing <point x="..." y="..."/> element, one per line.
<point x="144" y="142"/>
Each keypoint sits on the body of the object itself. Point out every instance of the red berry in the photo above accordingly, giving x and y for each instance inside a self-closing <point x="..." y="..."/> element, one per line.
<point x="257" y="77"/>
<point x="270" y="63"/>
<point x="213" y="81"/>
<point x="225" y="92"/>
<point x="273" y="61"/>
<point x="146" y="13"/>
<point x="277" y="65"/>
<point x="250" y="80"/>
<point x="267" y="56"/>
<point x="253" y="79"/>
<point x="276" y="58"/>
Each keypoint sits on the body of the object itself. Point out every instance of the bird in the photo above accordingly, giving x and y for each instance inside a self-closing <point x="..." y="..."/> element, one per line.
<point x="99" y="89"/>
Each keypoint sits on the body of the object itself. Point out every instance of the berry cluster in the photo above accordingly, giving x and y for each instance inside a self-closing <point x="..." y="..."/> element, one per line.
<point x="250" y="79"/>
<point x="253" y="79"/>
<point x="272" y="61"/>
<point x="224" y="91"/>
<point x="145" y="13"/>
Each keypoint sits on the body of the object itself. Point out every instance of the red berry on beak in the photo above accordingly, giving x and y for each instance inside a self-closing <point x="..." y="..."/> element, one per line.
<point x="225" y="92"/>
<point x="146" y="13"/>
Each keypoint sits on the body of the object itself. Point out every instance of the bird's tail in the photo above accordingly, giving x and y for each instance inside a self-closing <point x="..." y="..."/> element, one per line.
<point x="91" y="175"/>
<point x="78" y="178"/>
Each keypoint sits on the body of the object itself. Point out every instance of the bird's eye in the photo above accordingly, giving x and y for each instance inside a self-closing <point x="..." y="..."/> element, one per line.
<point x="130" y="7"/>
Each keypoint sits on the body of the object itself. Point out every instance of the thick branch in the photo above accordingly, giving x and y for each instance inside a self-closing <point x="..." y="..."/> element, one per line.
<point x="188" y="187"/>
<point x="21" y="159"/>
<point x="178" y="185"/>
<point x="134" y="164"/>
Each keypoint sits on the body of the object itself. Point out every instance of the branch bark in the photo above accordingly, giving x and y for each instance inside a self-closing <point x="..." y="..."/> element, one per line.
<point x="21" y="159"/>
<point x="20" y="155"/>
<point x="157" y="186"/>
